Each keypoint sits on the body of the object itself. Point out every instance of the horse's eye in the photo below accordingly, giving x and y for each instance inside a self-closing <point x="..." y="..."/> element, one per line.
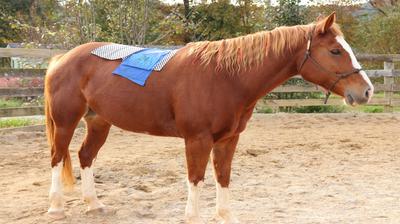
<point x="335" y="51"/>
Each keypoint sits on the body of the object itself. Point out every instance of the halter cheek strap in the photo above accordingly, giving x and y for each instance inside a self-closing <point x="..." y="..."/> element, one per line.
<point x="308" y="51"/>
<point x="339" y="76"/>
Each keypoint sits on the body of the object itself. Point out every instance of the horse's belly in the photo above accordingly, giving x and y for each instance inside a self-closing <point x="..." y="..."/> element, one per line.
<point x="165" y="129"/>
<point x="133" y="108"/>
<point x="136" y="121"/>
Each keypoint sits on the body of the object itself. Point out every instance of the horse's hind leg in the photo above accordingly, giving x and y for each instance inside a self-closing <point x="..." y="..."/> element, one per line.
<point x="96" y="133"/>
<point x="60" y="129"/>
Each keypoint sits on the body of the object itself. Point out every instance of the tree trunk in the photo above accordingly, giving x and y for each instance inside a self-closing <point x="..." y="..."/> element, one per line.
<point x="186" y="35"/>
<point x="187" y="9"/>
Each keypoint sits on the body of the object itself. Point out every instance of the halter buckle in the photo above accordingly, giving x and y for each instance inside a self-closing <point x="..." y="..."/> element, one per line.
<point x="308" y="45"/>
<point x="327" y="97"/>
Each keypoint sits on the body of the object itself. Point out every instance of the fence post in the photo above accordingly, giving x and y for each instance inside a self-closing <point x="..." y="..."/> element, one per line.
<point x="388" y="80"/>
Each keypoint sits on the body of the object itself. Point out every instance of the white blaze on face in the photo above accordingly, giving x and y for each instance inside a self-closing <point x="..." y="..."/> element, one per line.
<point x="56" y="201"/>
<point x="354" y="61"/>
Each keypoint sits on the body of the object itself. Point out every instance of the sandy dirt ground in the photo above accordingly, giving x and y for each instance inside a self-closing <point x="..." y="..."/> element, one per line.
<point x="289" y="168"/>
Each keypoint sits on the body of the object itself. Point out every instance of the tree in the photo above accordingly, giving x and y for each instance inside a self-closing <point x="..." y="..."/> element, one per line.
<point x="379" y="34"/>
<point x="251" y="16"/>
<point x="287" y="13"/>
<point x="344" y="13"/>
<point x="187" y="21"/>
<point x="28" y="19"/>
<point x="380" y="5"/>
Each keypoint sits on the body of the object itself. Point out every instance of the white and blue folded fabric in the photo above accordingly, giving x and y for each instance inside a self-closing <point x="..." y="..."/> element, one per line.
<point x="137" y="62"/>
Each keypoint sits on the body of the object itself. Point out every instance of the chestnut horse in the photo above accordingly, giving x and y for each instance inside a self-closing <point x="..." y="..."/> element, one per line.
<point x="205" y="94"/>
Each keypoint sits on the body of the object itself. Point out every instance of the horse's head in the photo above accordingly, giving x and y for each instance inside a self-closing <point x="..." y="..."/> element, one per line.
<point x="329" y="62"/>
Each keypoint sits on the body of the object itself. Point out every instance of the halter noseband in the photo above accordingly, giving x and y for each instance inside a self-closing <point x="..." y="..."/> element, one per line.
<point x="339" y="76"/>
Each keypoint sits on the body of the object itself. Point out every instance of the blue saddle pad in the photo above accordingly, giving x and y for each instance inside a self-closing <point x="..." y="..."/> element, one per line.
<point x="138" y="66"/>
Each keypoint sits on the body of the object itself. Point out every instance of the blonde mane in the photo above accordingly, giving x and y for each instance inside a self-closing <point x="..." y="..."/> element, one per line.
<point x="241" y="53"/>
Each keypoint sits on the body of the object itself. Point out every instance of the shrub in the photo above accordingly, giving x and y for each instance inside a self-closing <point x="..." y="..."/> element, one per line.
<point x="373" y="109"/>
<point x="319" y="109"/>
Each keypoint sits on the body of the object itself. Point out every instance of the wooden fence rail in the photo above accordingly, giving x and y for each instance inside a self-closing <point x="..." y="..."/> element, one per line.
<point x="388" y="87"/>
<point x="9" y="72"/>
<point x="47" y="53"/>
<point x="29" y="53"/>
<point x="38" y="91"/>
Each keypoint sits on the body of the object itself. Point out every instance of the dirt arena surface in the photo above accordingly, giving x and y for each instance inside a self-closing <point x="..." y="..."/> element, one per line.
<point x="289" y="168"/>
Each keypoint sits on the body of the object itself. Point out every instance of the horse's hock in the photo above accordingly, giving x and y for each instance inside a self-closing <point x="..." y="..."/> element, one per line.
<point x="336" y="168"/>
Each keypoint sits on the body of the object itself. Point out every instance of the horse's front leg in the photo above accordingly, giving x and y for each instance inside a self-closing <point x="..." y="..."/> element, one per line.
<point x="222" y="159"/>
<point x="197" y="153"/>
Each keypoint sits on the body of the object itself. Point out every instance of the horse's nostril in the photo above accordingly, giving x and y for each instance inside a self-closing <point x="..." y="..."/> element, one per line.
<point x="368" y="93"/>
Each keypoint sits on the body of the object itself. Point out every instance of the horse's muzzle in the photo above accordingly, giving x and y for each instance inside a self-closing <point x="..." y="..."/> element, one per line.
<point x="362" y="97"/>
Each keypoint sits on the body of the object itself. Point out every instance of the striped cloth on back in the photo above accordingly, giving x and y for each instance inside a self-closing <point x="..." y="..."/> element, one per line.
<point x="115" y="51"/>
<point x="120" y="51"/>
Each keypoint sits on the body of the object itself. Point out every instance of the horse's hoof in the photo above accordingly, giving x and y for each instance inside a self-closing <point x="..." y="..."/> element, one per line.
<point x="230" y="222"/>
<point x="56" y="215"/>
<point x="101" y="211"/>
<point x="194" y="220"/>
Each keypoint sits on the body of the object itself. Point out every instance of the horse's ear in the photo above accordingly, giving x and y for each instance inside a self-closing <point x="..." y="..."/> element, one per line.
<point x="324" y="24"/>
<point x="320" y="17"/>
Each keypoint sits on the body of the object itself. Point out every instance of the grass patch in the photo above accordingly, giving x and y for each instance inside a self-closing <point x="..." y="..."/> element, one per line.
<point x="10" y="103"/>
<point x="265" y="110"/>
<point x="19" y="122"/>
<point x="319" y="109"/>
<point x="372" y="109"/>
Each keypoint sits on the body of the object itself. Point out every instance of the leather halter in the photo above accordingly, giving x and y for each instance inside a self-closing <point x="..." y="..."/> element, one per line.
<point x="339" y="76"/>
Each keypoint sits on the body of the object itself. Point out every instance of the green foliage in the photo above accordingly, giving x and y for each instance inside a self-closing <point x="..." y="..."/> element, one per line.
<point x="18" y="122"/>
<point x="221" y="19"/>
<point x="216" y="21"/>
<point x="28" y="21"/>
<point x="10" y="103"/>
<point x="18" y="102"/>
<point x="379" y="33"/>
<point x="265" y="110"/>
<point x="344" y="15"/>
<point x="372" y="109"/>
<point x="287" y="13"/>
<point x="318" y="109"/>
<point x="68" y="23"/>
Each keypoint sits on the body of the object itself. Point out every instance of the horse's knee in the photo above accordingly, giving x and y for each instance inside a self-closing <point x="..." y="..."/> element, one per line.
<point x="223" y="179"/>
<point x="56" y="158"/>
<point x="85" y="157"/>
<point x="196" y="179"/>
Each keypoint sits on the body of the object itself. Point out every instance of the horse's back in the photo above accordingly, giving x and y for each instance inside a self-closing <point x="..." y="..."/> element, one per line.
<point x="89" y="78"/>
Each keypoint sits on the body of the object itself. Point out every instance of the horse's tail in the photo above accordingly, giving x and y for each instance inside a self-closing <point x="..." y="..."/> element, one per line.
<point x="67" y="175"/>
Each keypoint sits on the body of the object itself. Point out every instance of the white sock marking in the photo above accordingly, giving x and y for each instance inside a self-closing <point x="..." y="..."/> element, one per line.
<point x="56" y="189"/>
<point x="223" y="204"/>
<point x="354" y="61"/>
<point x="88" y="189"/>
<point x="192" y="205"/>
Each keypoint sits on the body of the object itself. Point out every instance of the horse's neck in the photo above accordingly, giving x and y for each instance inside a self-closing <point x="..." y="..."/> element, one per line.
<point x="273" y="72"/>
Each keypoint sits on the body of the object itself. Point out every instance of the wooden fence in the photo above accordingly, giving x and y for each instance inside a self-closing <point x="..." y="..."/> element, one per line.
<point x="388" y="87"/>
